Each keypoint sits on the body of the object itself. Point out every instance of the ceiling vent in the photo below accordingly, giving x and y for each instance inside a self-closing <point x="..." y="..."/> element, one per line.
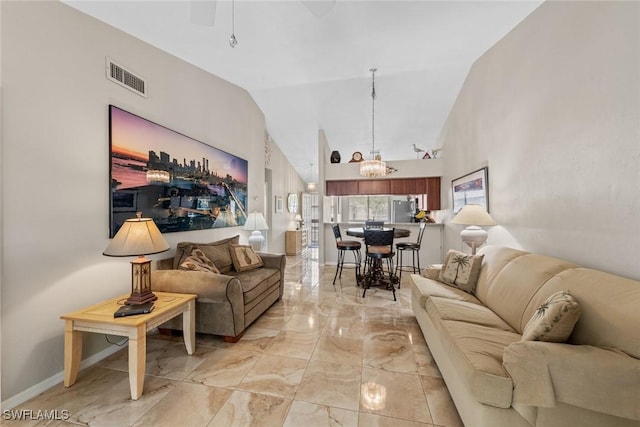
<point x="125" y="78"/>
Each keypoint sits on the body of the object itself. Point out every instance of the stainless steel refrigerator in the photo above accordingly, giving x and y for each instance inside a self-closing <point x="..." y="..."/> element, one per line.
<point x="402" y="211"/>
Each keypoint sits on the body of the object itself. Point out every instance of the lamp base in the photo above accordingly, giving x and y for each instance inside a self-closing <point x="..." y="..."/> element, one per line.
<point x="256" y="239"/>
<point x="140" y="282"/>
<point x="140" y="298"/>
<point x="474" y="237"/>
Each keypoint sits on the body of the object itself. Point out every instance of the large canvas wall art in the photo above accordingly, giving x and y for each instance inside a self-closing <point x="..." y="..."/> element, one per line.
<point x="181" y="183"/>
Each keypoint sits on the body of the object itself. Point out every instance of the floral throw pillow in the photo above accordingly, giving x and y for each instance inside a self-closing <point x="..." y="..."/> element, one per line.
<point x="461" y="270"/>
<point x="244" y="258"/>
<point x="198" y="261"/>
<point x="554" y="320"/>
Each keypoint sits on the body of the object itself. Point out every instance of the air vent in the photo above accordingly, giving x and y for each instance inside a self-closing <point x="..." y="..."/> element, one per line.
<point x="121" y="76"/>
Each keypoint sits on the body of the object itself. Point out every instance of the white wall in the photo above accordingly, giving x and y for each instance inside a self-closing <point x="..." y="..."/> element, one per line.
<point x="55" y="168"/>
<point x="285" y="181"/>
<point x="554" y="110"/>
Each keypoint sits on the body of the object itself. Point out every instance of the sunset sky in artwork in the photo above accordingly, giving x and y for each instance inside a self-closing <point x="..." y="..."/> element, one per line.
<point x="136" y="136"/>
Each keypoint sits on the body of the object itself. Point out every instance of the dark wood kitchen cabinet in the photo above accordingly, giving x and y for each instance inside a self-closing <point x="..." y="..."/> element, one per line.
<point x="400" y="186"/>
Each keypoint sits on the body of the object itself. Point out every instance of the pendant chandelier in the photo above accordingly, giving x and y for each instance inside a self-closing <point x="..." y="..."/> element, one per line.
<point x="375" y="167"/>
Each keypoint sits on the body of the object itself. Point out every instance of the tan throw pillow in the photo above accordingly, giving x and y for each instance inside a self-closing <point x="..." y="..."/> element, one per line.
<point x="217" y="252"/>
<point x="244" y="258"/>
<point x="198" y="261"/>
<point x="554" y="320"/>
<point x="461" y="270"/>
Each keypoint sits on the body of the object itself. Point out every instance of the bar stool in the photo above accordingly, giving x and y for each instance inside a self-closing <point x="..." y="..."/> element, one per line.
<point x="379" y="247"/>
<point x="343" y="246"/>
<point x="415" y="254"/>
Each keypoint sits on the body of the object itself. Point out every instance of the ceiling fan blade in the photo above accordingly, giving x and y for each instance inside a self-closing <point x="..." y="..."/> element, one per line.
<point x="202" y="12"/>
<point x="319" y="8"/>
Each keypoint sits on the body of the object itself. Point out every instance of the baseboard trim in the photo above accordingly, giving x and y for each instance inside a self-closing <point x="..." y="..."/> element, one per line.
<point x="45" y="385"/>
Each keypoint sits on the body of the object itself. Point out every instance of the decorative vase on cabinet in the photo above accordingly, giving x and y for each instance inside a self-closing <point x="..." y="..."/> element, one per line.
<point x="335" y="156"/>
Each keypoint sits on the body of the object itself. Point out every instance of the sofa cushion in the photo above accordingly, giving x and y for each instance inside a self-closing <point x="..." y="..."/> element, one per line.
<point x="477" y="352"/>
<point x="464" y="311"/>
<point x="424" y="288"/>
<point x="513" y="287"/>
<point x="554" y="319"/>
<point x="217" y="252"/>
<point x="244" y="258"/>
<point x="198" y="261"/>
<point x="255" y="282"/>
<point x="609" y="305"/>
<point x="461" y="270"/>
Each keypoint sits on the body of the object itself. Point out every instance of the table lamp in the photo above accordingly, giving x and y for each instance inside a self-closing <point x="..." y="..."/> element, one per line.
<point x="138" y="236"/>
<point x="255" y="223"/>
<point x="473" y="216"/>
<point x="298" y="221"/>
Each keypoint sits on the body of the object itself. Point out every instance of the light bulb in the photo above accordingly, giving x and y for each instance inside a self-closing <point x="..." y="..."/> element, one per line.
<point x="233" y="42"/>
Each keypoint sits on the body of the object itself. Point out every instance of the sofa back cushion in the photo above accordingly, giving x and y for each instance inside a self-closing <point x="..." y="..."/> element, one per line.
<point x="494" y="260"/>
<point x="217" y="252"/>
<point x="508" y="291"/>
<point x="610" y="308"/>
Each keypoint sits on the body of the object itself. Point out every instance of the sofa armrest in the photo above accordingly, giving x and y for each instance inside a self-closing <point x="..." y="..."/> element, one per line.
<point x="277" y="261"/>
<point x="599" y="379"/>
<point x="208" y="286"/>
<point x="432" y="271"/>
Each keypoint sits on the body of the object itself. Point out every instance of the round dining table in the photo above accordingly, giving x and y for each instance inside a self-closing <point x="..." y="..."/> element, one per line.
<point x="375" y="274"/>
<point x="397" y="232"/>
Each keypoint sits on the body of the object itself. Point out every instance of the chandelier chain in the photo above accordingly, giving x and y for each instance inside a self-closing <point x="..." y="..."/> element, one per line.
<point x="373" y="112"/>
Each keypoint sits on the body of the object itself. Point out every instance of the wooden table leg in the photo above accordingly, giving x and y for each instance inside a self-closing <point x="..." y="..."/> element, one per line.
<point x="72" y="353"/>
<point x="189" y="327"/>
<point x="137" y="360"/>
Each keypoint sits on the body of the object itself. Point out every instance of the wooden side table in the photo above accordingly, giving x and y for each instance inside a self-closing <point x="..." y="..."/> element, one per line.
<point x="293" y="242"/>
<point x="99" y="319"/>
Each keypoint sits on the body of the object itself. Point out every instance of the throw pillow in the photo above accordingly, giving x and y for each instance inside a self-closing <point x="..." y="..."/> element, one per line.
<point x="217" y="252"/>
<point x="244" y="258"/>
<point x="554" y="320"/>
<point x="461" y="270"/>
<point x="198" y="261"/>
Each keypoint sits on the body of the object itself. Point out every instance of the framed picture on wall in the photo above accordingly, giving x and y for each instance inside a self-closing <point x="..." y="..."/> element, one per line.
<point x="279" y="204"/>
<point x="471" y="189"/>
<point x="179" y="182"/>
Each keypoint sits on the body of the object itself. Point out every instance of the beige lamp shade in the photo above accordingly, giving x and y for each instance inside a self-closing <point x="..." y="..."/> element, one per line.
<point x="255" y="221"/>
<point x="473" y="215"/>
<point x="137" y="236"/>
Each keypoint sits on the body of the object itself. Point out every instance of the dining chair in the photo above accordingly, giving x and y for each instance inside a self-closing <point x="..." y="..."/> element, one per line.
<point x="343" y="246"/>
<point x="378" y="247"/>
<point x="414" y="248"/>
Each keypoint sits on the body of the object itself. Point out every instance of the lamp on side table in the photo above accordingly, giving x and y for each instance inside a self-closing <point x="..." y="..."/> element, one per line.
<point x="138" y="236"/>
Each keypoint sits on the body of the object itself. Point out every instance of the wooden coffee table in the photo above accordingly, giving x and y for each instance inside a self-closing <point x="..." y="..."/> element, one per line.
<point x="99" y="319"/>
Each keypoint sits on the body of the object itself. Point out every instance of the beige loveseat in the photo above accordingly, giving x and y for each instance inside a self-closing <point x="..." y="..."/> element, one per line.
<point x="497" y="380"/>
<point x="228" y="302"/>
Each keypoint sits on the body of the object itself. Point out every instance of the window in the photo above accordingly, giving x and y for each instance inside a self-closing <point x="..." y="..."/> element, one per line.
<point x="362" y="208"/>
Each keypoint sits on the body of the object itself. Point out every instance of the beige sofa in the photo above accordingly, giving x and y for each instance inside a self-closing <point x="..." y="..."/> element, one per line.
<point x="495" y="379"/>
<point x="228" y="302"/>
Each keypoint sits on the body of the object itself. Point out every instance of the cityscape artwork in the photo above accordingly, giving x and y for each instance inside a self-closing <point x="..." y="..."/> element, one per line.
<point x="181" y="183"/>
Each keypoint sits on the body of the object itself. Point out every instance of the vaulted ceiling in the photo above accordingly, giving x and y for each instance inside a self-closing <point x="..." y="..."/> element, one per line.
<point x="306" y="63"/>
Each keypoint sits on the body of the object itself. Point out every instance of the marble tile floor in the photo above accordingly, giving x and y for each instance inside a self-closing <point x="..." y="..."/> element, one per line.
<point x="322" y="356"/>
